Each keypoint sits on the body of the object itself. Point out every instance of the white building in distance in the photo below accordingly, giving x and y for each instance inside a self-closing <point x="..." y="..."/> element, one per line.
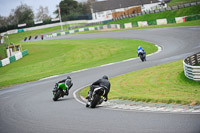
<point x="109" y="9"/>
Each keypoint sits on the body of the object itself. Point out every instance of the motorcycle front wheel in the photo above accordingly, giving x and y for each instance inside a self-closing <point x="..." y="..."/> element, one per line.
<point x="142" y="57"/>
<point x="57" y="95"/>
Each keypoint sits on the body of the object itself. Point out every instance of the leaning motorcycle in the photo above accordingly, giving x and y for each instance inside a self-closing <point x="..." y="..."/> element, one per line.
<point x="58" y="91"/>
<point x="142" y="56"/>
<point x="97" y="97"/>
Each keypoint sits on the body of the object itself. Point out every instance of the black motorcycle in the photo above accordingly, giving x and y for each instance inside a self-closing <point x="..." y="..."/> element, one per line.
<point x="58" y="91"/>
<point x="97" y="97"/>
<point x="142" y="56"/>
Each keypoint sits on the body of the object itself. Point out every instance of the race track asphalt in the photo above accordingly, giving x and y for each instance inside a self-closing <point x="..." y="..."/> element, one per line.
<point x="29" y="108"/>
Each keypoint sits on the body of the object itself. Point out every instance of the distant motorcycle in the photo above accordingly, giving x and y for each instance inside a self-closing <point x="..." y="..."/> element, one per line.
<point x="142" y="57"/>
<point x="58" y="91"/>
<point x="97" y="97"/>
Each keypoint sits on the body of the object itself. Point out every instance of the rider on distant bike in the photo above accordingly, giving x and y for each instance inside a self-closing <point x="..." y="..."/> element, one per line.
<point x="140" y="50"/>
<point x="103" y="82"/>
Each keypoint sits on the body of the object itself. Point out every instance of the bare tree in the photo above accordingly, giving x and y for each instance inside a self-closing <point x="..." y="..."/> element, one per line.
<point x="23" y="13"/>
<point x="42" y="13"/>
<point x="11" y="19"/>
<point x="3" y="21"/>
<point x="91" y="1"/>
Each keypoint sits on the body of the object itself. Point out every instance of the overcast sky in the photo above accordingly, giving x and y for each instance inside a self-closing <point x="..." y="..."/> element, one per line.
<point x="7" y="5"/>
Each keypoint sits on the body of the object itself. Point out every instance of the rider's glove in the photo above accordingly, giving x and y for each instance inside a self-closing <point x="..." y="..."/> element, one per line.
<point x="56" y="86"/>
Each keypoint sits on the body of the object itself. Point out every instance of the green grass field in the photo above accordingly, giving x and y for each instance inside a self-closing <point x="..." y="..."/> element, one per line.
<point x="160" y="84"/>
<point x="2" y="51"/>
<point x="47" y="58"/>
<point x="166" y="14"/>
<point x="178" y="2"/>
<point x="148" y="17"/>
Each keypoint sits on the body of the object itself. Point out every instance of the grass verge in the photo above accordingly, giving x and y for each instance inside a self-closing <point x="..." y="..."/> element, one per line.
<point x="47" y="58"/>
<point x="178" y="2"/>
<point x="188" y="23"/>
<point x="2" y="51"/>
<point x="165" y="83"/>
<point x="17" y="37"/>
<point x="166" y="14"/>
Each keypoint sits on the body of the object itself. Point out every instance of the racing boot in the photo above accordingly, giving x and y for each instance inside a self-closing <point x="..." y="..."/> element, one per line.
<point x="67" y="92"/>
<point x="89" y="95"/>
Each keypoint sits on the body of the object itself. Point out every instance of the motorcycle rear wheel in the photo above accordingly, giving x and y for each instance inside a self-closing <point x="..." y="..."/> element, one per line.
<point x="95" y="100"/>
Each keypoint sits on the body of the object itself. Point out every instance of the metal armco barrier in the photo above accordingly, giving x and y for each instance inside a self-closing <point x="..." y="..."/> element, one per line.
<point x="191" y="71"/>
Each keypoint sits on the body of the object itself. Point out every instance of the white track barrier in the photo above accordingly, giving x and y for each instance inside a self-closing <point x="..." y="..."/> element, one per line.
<point x="91" y="28"/>
<point x="179" y="19"/>
<point x="5" y="61"/>
<point x="142" y="23"/>
<point x="81" y="30"/>
<point x="18" y="56"/>
<point x="161" y="21"/>
<point x="128" y="25"/>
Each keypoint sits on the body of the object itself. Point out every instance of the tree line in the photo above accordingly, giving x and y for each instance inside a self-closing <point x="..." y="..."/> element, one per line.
<point x="69" y="10"/>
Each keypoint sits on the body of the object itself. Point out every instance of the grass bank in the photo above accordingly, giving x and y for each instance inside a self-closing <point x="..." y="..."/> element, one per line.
<point x="2" y="51"/>
<point x="47" y="58"/>
<point x="165" y="83"/>
<point x="178" y="2"/>
<point x="166" y="14"/>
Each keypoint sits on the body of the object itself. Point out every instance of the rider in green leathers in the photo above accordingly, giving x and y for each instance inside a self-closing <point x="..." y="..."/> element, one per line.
<point x="68" y="83"/>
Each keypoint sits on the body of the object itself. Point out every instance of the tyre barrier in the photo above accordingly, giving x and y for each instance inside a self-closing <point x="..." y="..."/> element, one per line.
<point x="192" y="67"/>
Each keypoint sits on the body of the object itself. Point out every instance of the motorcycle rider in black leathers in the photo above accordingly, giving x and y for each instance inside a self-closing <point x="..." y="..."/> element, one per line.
<point x="68" y="83"/>
<point x="103" y="82"/>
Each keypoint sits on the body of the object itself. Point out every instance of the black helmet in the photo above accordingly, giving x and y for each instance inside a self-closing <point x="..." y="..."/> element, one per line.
<point x="105" y="77"/>
<point x="68" y="77"/>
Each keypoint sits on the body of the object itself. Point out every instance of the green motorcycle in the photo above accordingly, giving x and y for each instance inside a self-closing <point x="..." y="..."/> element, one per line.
<point x="59" y="91"/>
